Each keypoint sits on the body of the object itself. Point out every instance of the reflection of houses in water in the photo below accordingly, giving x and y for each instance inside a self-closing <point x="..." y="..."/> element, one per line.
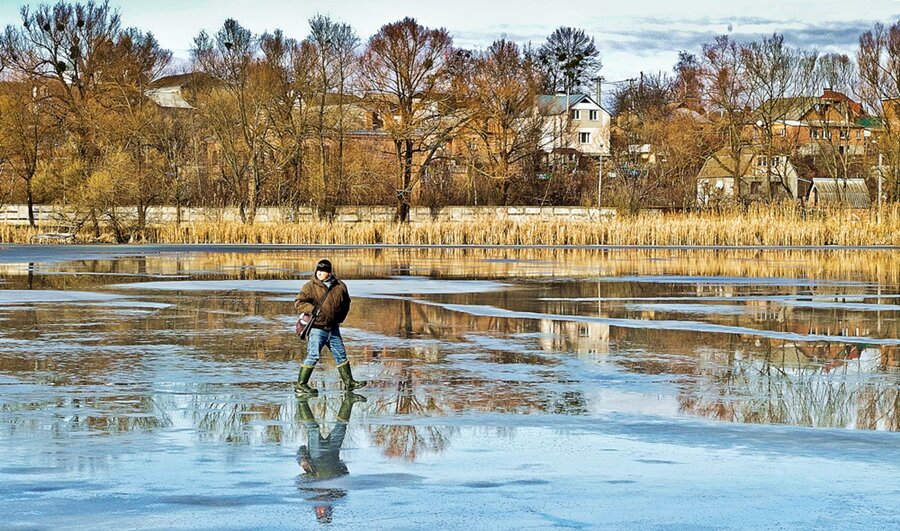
<point x="588" y="340"/>
<point x="716" y="290"/>
<point x="824" y="384"/>
<point x="850" y="327"/>
<point x="791" y="357"/>
<point x="764" y="311"/>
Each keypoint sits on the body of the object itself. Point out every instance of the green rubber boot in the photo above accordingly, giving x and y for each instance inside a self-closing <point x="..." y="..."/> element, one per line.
<point x="347" y="377"/>
<point x="302" y="388"/>
<point x="306" y="414"/>
<point x="347" y="406"/>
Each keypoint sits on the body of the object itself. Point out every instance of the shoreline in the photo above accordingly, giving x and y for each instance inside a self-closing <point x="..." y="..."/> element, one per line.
<point x="757" y="230"/>
<point x="230" y="247"/>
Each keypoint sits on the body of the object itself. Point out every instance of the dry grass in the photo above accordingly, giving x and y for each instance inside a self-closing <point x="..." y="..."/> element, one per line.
<point x="757" y="226"/>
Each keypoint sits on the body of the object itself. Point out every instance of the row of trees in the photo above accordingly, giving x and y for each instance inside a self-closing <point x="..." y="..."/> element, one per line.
<point x="404" y="117"/>
<point x="271" y="117"/>
<point x="749" y="93"/>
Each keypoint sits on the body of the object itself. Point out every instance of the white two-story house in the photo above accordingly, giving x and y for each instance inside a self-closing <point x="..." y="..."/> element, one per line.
<point x="574" y="122"/>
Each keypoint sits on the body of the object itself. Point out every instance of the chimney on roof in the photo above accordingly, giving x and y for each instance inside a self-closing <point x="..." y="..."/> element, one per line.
<point x="598" y="90"/>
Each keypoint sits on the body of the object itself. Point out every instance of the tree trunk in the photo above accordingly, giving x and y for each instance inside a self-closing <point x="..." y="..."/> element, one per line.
<point x="252" y="197"/>
<point x="96" y="223"/>
<point x="142" y="216"/>
<point x="406" y="178"/>
<point x="177" y="205"/>
<point x="29" y="191"/>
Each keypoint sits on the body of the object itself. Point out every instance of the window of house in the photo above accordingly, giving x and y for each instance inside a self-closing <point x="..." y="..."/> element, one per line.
<point x="592" y="115"/>
<point x="828" y="135"/>
<point x="813" y="132"/>
<point x="762" y="161"/>
<point x="782" y="131"/>
<point x="845" y="134"/>
<point x="576" y="115"/>
<point x="755" y="188"/>
<point x="858" y="134"/>
<point x="775" y="161"/>
<point x="584" y="138"/>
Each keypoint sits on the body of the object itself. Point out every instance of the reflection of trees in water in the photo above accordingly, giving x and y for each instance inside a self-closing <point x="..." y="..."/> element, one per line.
<point x="228" y="418"/>
<point x="817" y="385"/>
<point x="215" y="416"/>
<point x="99" y="414"/>
<point x="408" y="441"/>
<point x="478" y="263"/>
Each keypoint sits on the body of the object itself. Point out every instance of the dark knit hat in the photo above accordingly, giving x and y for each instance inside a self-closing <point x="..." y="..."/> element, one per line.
<point x="324" y="265"/>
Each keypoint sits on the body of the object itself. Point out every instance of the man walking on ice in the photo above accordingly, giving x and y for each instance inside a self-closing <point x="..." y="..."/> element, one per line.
<point x="326" y="300"/>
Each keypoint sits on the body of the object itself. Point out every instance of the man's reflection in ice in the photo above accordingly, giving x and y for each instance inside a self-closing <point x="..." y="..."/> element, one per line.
<point x="320" y="458"/>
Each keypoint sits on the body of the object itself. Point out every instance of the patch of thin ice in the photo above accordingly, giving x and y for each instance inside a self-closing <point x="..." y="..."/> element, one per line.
<point x="22" y="296"/>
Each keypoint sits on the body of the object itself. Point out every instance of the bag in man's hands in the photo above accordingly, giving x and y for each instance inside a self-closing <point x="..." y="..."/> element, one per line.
<point x="305" y="322"/>
<point x="302" y="322"/>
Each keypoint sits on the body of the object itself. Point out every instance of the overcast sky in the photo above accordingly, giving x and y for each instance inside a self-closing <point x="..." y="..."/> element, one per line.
<point x="632" y="36"/>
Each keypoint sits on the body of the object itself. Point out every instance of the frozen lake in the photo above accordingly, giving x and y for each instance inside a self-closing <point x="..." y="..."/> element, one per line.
<point x="151" y="387"/>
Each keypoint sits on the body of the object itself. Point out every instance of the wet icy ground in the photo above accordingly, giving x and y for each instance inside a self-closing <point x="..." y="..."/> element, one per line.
<point x="154" y="392"/>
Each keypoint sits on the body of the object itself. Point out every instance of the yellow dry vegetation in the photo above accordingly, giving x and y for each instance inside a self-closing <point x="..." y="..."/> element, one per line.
<point x="757" y="226"/>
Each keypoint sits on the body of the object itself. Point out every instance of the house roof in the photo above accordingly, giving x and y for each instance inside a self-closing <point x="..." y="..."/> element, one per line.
<point x="793" y="108"/>
<point x="850" y="192"/>
<point x="721" y="163"/>
<point x="797" y="108"/>
<point x="718" y="165"/>
<point x="870" y="122"/>
<point x="334" y="98"/>
<point x="685" y="113"/>
<point x="834" y="95"/>
<point x="552" y="104"/>
<point x="178" y="80"/>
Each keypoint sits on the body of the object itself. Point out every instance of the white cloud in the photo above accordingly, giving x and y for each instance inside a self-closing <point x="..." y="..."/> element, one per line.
<point x="632" y="36"/>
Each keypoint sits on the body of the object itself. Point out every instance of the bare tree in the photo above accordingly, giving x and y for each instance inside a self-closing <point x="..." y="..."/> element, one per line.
<point x="233" y="107"/>
<point x="28" y="134"/>
<point x="778" y="81"/>
<point x="345" y="46"/>
<point x="837" y="152"/>
<point x="335" y="46"/>
<point x="405" y="71"/>
<point x="726" y="88"/>
<point x="644" y="97"/>
<point x="87" y="68"/>
<point x="878" y="60"/>
<point x="503" y="92"/>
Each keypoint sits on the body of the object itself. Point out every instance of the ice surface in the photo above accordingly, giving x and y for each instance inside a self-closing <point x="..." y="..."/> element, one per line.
<point x="493" y="403"/>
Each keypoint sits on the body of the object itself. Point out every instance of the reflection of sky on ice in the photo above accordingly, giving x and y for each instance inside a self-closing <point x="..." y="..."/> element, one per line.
<point x="357" y="288"/>
<point x="571" y="402"/>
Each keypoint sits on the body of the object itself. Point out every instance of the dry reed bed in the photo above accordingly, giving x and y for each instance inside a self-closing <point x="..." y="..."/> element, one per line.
<point x="757" y="226"/>
<point x="882" y="266"/>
